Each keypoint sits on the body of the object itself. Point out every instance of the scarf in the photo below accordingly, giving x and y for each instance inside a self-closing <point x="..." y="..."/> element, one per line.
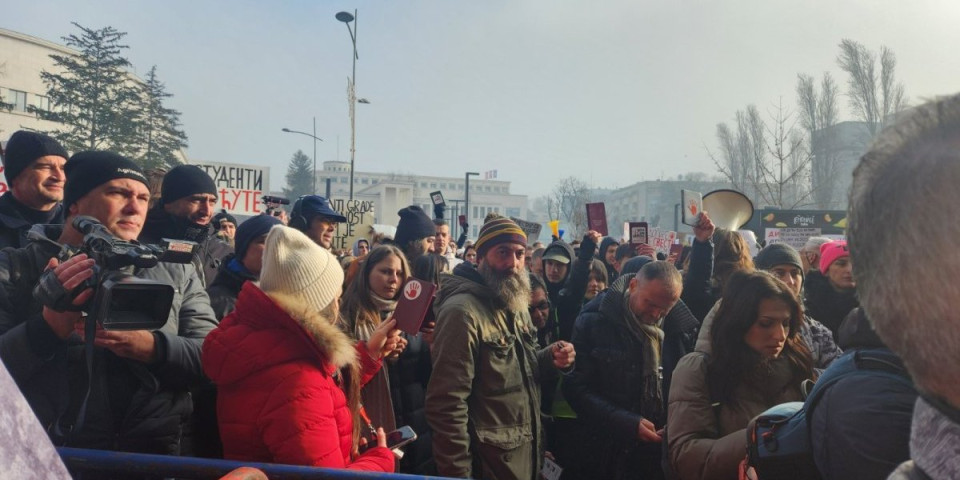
<point x="652" y="338"/>
<point x="385" y="306"/>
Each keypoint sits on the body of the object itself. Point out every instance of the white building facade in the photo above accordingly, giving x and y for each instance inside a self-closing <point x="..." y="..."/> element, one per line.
<point x="392" y="191"/>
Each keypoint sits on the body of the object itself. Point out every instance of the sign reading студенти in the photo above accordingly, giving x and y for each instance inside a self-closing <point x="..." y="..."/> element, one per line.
<point x="239" y="187"/>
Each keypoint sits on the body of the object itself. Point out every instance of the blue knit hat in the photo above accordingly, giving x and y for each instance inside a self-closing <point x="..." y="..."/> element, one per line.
<point x="249" y="230"/>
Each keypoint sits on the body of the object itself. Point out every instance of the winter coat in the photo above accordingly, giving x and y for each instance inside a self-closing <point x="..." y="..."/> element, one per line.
<point x="133" y="406"/>
<point x="708" y="442"/>
<point x="210" y="253"/>
<point x="226" y="286"/>
<point x="276" y="366"/>
<point x="818" y="338"/>
<point x="609" y="388"/>
<point x="483" y="396"/>
<point x="826" y="304"/>
<point x="14" y="226"/>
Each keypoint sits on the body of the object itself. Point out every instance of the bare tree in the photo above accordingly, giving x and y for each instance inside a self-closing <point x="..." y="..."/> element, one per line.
<point x="874" y="98"/>
<point x="767" y="161"/>
<point x="818" y="115"/>
<point x="568" y="200"/>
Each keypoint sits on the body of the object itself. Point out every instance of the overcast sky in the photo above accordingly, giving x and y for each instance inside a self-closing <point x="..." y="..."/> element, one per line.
<point x="611" y="91"/>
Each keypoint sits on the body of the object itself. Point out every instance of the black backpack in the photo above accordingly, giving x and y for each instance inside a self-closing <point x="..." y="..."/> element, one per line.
<point x="778" y="440"/>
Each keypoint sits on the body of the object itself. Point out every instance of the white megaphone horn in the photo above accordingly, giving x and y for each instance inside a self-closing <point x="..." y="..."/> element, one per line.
<point x="728" y="209"/>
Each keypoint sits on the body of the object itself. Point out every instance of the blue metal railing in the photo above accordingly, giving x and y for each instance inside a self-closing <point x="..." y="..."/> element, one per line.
<point x="102" y="461"/>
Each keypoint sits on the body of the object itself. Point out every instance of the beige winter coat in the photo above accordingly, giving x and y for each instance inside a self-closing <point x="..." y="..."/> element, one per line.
<point x="708" y="442"/>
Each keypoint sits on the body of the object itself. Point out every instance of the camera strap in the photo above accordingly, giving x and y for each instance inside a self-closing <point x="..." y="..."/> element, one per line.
<point x="89" y="335"/>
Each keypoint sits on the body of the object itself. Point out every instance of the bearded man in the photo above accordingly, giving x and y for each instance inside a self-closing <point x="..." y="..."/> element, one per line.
<point x="483" y="398"/>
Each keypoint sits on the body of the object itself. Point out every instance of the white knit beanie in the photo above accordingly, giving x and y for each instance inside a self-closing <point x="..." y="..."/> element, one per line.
<point x="294" y="265"/>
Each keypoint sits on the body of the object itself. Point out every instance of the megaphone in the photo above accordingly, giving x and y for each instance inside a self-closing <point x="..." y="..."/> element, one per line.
<point x="729" y="209"/>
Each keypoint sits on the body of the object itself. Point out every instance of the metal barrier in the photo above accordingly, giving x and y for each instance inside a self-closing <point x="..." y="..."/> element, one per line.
<point x="102" y="461"/>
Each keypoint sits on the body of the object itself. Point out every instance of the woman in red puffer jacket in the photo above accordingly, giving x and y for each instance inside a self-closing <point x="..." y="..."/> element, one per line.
<point x="282" y="367"/>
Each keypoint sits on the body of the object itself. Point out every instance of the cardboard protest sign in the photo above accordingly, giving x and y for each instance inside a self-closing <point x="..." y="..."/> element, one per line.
<point x="532" y="229"/>
<point x="359" y="215"/>
<point x="239" y="187"/>
<point x="661" y="240"/>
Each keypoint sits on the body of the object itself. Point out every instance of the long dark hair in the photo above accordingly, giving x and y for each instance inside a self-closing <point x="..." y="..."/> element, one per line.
<point x="358" y="310"/>
<point x="732" y="359"/>
<point x="429" y="267"/>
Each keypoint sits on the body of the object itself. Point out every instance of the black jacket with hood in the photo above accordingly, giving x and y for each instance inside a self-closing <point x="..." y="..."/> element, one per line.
<point x="566" y="297"/>
<point x="602" y="254"/>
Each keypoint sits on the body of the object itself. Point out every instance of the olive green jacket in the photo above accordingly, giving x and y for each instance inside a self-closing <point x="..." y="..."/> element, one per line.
<point x="483" y="397"/>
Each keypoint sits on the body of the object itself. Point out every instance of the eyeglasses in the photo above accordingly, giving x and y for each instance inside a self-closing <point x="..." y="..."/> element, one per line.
<point x="543" y="306"/>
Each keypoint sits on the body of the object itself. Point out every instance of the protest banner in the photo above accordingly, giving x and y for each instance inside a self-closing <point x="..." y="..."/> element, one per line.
<point x="359" y="222"/>
<point x="239" y="187"/>
<point x="532" y="229"/>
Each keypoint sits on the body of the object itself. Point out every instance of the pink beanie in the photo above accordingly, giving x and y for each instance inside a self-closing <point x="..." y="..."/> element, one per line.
<point x="830" y="252"/>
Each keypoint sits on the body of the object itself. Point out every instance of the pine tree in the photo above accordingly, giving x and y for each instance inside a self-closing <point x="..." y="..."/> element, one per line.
<point x="299" y="176"/>
<point x="159" y="136"/>
<point x="93" y="97"/>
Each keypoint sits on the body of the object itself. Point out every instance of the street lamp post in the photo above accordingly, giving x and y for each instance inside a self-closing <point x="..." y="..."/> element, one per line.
<point x="315" y="139"/>
<point x="346" y="18"/>
<point x="466" y="194"/>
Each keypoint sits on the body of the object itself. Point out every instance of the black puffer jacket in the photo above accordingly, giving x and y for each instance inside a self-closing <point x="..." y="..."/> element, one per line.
<point x="211" y="253"/>
<point x="226" y="286"/>
<point x="133" y="406"/>
<point x="409" y="376"/>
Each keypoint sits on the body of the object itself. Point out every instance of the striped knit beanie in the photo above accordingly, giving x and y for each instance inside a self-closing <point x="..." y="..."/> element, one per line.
<point x="495" y="232"/>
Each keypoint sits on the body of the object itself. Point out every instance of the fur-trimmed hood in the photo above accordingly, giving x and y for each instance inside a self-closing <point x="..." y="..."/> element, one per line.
<point x="269" y="329"/>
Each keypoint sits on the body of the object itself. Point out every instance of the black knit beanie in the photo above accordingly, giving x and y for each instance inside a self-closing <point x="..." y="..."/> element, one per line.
<point x="223" y="215"/>
<point x="777" y="254"/>
<point x="414" y="225"/>
<point x="24" y="147"/>
<point x="249" y="230"/>
<point x="185" y="180"/>
<point x="90" y="169"/>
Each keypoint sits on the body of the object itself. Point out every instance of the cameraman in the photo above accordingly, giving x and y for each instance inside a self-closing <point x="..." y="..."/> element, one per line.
<point x="137" y="396"/>
<point x="188" y="198"/>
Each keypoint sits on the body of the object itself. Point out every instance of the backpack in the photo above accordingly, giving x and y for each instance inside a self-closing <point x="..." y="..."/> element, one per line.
<point x="778" y="440"/>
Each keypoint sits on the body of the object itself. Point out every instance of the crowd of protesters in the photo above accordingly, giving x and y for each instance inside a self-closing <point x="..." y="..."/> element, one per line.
<point x="604" y="358"/>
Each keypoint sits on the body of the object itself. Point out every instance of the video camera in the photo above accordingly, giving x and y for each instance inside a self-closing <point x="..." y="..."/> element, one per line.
<point x="120" y="301"/>
<point x="273" y="204"/>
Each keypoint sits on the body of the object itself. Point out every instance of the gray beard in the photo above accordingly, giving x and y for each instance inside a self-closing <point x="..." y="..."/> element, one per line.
<point x="513" y="289"/>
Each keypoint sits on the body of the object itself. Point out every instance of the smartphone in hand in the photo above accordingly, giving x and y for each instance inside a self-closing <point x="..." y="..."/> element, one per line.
<point x="395" y="439"/>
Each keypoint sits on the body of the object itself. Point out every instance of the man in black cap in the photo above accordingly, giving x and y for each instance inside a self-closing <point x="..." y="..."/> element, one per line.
<point x="415" y="233"/>
<point x="136" y="398"/>
<point x="188" y="198"/>
<point x="313" y="215"/>
<point x="33" y="164"/>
